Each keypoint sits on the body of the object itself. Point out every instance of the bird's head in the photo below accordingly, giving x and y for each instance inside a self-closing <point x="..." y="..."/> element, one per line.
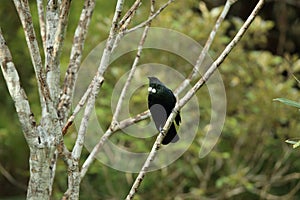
<point x="155" y="86"/>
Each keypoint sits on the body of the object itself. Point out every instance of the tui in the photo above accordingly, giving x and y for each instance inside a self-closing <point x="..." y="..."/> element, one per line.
<point x="161" y="102"/>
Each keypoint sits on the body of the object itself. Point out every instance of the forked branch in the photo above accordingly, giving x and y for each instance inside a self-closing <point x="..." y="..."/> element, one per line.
<point x="17" y="93"/>
<point x="26" y="20"/>
<point x="75" y="59"/>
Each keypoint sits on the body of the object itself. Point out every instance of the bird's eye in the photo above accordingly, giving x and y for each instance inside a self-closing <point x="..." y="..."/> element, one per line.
<point x="153" y="90"/>
<point x="149" y="89"/>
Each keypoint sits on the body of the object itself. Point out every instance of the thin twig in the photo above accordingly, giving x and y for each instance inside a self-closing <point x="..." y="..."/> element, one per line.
<point x="223" y="55"/>
<point x="77" y="109"/>
<point x="205" y="49"/>
<point x="129" y="15"/>
<point x="125" y="21"/>
<point x="11" y="179"/>
<point x="85" y="119"/>
<point x="75" y="59"/>
<point x="143" y="24"/>
<point x="64" y="153"/>
<point x="123" y="124"/>
<point x="189" y="95"/>
<point x="146" y="165"/>
<point x="92" y="156"/>
<point x="124" y="30"/>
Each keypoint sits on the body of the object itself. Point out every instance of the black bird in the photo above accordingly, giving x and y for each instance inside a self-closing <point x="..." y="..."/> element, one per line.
<point x="161" y="102"/>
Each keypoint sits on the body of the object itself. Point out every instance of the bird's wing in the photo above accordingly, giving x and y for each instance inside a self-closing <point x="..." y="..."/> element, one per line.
<point x="178" y="117"/>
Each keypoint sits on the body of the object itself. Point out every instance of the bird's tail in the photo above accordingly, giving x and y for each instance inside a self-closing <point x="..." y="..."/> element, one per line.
<point x="171" y="135"/>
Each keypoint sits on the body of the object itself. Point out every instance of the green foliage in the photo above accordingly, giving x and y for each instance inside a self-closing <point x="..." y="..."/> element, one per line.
<point x="250" y="158"/>
<point x="294" y="104"/>
<point x="288" y="102"/>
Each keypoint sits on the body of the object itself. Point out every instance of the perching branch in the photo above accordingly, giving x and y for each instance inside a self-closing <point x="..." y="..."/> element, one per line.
<point x="223" y="55"/>
<point x="109" y="132"/>
<point x="189" y="95"/>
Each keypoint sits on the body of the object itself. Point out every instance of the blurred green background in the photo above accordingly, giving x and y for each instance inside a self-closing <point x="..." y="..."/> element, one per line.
<point x="251" y="159"/>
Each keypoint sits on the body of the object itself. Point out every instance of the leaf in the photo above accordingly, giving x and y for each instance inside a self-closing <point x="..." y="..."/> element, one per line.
<point x="296" y="145"/>
<point x="290" y="141"/>
<point x="293" y="142"/>
<point x="288" y="102"/>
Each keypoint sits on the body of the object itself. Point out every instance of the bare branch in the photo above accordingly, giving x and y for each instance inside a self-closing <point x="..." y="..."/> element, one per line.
<point x="94" y="152"/>
<point x="129" y="15"/>
<point x="205" y="49"/>
<point x="143" y="24"/>
<point x="123" y="124"/>
<point x="75" y="59"/>
<point x="265" y="195"/>
<point x="57" y="19"/>
<point x="52" y="70"/>
<point x="78" y="107"/>
<point x="41" y="13"/>
<point x="223" y="55"/>
<point x="11" y="179"/>
<point x="84" y="122"/>
<point x="26" y="20"/>
<point x="17" y="93"/>
<point x="64" y="153"/>
<point x="128" y="122"/>
<point x="189" y="95"/>
<point x="147" y="163"/>
<point x="113" y="33"/>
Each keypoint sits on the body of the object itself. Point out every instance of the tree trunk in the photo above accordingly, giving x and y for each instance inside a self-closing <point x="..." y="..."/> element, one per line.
<point x="42" y="170"/>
